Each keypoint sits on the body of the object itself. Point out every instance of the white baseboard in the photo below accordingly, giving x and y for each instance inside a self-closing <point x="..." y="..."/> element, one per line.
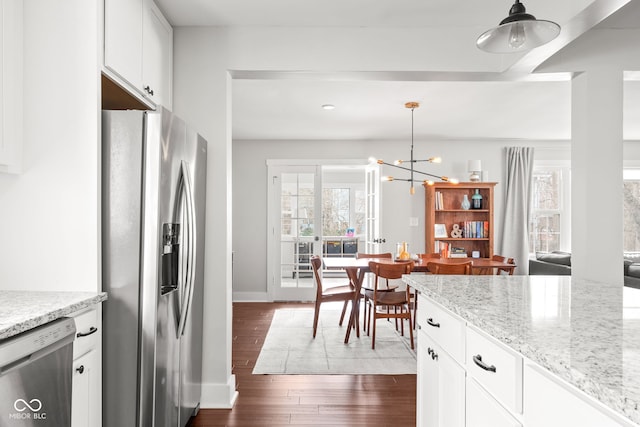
<point x="250" y="297"/>
<point x="219" y="396"/>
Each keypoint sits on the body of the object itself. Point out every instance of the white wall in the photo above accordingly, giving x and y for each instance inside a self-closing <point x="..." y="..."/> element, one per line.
<point x="202" y="98"/>
<point x="50" y="212"/>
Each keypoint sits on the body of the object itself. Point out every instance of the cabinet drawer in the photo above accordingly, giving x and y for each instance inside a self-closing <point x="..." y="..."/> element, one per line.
<point x="444" y="327"/>
<point x="87" y="335"/>
<point x="484" y="411"/>
<point x="497" y="368"/>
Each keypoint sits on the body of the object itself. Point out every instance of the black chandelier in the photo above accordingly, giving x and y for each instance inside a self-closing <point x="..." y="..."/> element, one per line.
<point x="412" y="171"/>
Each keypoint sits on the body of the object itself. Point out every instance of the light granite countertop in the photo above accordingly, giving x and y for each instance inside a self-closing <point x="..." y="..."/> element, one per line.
<point x="24" y="310"/>
<point x="585" y="332"/>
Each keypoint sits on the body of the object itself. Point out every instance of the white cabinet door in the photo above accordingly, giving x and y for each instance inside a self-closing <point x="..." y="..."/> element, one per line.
<point x="86" y="407"/>
<point x="441" y="387"/>
<point x="11" y="70"/>
<point x="157" y="56"/>
<point x="484" y="411"/>
<point x="547" y="403"/>
<point x="123" y="39"/>
<point x="85" y="401"/>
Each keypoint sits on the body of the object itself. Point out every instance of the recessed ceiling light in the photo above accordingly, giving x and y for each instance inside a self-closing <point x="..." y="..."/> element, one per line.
<point x="328" y="106"/>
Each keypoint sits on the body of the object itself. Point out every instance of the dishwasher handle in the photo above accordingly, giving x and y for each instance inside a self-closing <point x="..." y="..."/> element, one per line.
<point x="16" y="364"/>
<point x="29" y="346"/>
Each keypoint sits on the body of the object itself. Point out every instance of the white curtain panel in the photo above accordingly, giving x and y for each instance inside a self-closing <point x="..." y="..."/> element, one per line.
<point x="515" y="233"/>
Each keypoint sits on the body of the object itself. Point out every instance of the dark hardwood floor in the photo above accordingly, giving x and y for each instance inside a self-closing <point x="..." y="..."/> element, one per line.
<point x="305" y="400"/>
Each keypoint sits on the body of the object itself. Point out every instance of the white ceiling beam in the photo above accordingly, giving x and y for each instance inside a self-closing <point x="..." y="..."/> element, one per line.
<point x="584" y="21"/>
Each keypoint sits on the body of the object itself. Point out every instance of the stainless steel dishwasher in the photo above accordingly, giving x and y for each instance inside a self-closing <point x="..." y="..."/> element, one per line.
<point x="35" y="376"/>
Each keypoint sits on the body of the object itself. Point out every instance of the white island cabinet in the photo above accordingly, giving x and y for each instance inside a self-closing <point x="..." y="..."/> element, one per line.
<point x="521" y="351"/>
<point x="441" y="383"/>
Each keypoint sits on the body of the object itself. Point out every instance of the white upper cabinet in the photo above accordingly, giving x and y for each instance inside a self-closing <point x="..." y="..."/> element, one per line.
<point x="123" y="39"/>
<point x="138" y="49"/>
<point x="157" y="55"/>
<point x="11" y="83"/>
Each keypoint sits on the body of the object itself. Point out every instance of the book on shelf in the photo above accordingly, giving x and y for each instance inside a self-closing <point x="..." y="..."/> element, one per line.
<point x="457" y="253"/>
<point x="442" y="248"/>
<point x="476" y="229"/>
<point x="438" y="201"/>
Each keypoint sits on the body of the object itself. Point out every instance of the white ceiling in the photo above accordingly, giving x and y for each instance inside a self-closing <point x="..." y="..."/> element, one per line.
<point x="290" y="108"/>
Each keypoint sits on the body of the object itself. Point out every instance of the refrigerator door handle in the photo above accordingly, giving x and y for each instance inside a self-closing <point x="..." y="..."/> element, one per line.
<point x="191" y="247"/>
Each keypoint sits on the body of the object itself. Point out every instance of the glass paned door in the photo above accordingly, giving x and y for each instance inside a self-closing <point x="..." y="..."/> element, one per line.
<point x="372" y="211"/>
<point x="296" y="225"/>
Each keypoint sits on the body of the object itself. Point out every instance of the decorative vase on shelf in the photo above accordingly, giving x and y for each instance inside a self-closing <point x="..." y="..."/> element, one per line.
<point x="465" y="203"/>
<point x="476" y="200"/>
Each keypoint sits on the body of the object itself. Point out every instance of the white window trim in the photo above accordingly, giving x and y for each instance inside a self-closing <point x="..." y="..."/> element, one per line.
<point x="565" y="198"/>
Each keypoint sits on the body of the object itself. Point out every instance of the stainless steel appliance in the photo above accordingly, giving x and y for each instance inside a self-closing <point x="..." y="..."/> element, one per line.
<point x="153" y="177"/>
<point x="36" y="375"/>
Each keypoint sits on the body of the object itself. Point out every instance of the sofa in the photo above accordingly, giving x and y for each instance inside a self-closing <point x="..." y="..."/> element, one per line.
<point x="558" y="263"/>
<point x="554" y="263"/>
<point x="632" y="273"/>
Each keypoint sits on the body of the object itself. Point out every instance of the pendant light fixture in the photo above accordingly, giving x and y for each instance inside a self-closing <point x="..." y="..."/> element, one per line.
<point x="398" y="163"/>
<point x="518" y="32"/>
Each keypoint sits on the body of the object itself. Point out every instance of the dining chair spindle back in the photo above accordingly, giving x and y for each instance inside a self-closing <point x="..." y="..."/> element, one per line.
<point x="448" y="268"/>
<point x="346" y="293"/>
<point x="398" y="301"/>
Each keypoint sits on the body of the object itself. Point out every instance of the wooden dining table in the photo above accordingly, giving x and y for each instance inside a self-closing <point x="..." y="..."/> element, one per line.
<point x="356" y="268"/>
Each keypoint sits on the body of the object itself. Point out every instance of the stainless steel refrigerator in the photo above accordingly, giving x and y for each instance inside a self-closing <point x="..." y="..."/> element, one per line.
<point x="153" y="194"/>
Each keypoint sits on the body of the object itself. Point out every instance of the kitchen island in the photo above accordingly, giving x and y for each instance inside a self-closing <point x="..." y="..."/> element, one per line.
<point x="24" y="310"/>
<point x="578" y="335"/>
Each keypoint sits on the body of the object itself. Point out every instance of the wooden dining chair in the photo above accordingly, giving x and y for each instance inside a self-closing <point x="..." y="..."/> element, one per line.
<point x="507" y="270"/>
<point x="368" y="286"/>
<point x="498" y="271"/>
<point x="413" y="303"/>
<point x="344" y="293"/>
<point x="449" y="268"/>
<point x="430" y="256"/>
<point x="399" y="301"/>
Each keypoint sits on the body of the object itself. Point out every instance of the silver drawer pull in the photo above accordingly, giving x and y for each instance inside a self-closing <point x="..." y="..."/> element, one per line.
<point x="92" y="330"/>
<point x="432" y="323"/>
<point x="477" y="359"/>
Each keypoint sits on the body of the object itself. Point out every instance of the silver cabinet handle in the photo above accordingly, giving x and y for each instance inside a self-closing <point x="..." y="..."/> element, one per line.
<point x="432" y="323"/>
<point x="92" y="330"/>
<point x="477" y="359"/>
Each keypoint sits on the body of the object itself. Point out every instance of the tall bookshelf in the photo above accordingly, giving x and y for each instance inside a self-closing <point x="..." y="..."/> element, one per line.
<point x="450" y="212"/>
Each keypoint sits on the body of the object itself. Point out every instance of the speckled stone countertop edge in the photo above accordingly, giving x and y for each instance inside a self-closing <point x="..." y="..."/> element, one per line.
<point x="621" y="404"/>
<point x="38" y="317"/>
